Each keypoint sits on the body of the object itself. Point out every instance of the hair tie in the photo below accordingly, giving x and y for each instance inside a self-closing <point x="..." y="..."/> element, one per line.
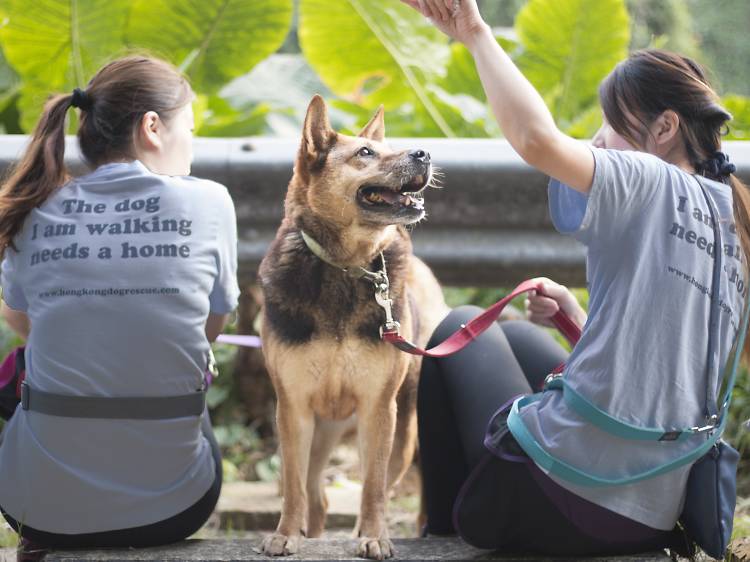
<point x="718" y="166"/>
<point x="81" y="99"/>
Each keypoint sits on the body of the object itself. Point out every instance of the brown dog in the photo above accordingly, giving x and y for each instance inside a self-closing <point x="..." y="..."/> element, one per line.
<point x="351" y="197"/>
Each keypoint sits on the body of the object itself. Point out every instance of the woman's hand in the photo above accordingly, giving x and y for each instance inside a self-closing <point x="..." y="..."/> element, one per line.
<point x="459" y="19"/>
<point x="540" y="308"/>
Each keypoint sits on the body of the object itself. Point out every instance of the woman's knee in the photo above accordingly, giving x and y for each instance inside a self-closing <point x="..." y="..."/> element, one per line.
<point x="452" y="322"/>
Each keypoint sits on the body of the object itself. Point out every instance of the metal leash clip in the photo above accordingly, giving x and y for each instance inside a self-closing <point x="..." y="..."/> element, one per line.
<point x="382" y="297"/>
<point x="711" y="425"/>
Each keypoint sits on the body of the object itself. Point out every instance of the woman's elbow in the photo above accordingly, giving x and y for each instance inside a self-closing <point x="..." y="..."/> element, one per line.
<point x="536" y="146"/>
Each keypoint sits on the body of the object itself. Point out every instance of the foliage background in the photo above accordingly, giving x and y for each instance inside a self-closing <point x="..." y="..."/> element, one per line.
<point x="254" y="65"/>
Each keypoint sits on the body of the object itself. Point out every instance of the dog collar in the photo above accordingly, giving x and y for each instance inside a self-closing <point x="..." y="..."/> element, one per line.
<point x="378" y="278"/>
<point x="357" y="272"/>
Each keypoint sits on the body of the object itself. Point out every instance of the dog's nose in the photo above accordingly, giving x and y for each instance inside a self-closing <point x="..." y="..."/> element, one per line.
<point x="420" y="155"/>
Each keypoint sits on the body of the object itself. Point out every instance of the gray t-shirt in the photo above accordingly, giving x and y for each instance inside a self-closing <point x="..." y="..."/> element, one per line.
<point x="117" y="271"/>
<point x="642" y="354"/>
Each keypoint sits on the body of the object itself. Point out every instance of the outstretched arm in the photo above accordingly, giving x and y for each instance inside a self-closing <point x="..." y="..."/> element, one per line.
<point x="519" y="109"/>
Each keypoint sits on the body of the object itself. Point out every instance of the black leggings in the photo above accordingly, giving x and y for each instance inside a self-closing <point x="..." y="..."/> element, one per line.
<point x="173" y="529"/>
<point x="511" y="505"/>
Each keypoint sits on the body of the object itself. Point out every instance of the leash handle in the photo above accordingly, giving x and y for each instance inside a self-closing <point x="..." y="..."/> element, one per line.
<point x="472" y="329"/>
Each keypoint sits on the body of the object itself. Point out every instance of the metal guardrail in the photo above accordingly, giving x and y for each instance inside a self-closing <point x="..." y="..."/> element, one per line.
<point x="489" y="226"/>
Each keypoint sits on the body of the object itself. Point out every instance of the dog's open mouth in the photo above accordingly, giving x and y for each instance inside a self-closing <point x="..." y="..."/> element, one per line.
<point x="409" y="197"/>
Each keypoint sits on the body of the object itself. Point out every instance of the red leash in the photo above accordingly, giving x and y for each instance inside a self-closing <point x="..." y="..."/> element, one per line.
<point x="468" y="332"/>
<point x="460" y="339"/>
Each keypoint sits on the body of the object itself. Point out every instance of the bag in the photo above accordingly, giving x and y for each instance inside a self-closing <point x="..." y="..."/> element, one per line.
<point x="711" y="494"/>
<point x="708" y="514"/>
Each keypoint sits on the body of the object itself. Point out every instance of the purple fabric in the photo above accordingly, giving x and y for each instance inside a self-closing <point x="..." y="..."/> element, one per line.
<point x="494" y="442"/>
<point x="239" y="339"/>
<point x="592" y="519"/>
<point x="8" y="368"/>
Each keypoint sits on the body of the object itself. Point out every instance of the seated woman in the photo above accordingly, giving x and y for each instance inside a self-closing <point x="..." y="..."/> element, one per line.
<point x="636" y="200"/>
<point x="118" y="280"/>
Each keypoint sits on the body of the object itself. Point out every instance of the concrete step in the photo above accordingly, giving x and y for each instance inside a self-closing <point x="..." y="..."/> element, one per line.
<point x="245" y="506"/>
<point x="314" y="549"/>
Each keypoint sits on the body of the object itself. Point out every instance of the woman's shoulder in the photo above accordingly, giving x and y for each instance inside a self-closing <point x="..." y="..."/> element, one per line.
<point x="628" y="160"/>
<point x="198" y="184"/>
<point x="200" y="190"/>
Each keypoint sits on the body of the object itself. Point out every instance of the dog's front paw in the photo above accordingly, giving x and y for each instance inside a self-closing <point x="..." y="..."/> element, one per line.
<point x="280" y="545"/>
<point x="375" y="549"/>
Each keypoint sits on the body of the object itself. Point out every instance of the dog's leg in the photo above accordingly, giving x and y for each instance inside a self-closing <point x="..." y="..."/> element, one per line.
<point x="296" y="425"/>
<point x="405" y="438"/>
<point x="376" y="424"/>
<point x="327" y="434"/>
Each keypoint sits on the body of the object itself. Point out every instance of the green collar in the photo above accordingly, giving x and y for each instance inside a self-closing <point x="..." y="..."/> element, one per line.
<point x="356" y="272"/>
<point x="378" y="278"/>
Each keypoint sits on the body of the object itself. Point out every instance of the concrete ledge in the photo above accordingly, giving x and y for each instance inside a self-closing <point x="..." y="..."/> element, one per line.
<point x="314" y="549"/>
<point x="247" y="506"/>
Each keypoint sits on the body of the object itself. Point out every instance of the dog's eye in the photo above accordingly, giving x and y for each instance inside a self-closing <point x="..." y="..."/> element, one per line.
<point x="364" y="151"/>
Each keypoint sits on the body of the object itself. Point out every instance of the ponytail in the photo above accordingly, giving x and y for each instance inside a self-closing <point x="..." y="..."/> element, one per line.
<point x="741" y="204"/>
<point x="38" y="174"/>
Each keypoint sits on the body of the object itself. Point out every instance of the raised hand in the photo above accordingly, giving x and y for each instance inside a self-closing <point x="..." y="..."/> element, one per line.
<point x="459" y="19"/>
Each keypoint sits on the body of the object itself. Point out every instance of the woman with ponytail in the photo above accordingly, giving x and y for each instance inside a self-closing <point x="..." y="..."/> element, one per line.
<point x="641" y="199"/>
<point x="117" y="280"/>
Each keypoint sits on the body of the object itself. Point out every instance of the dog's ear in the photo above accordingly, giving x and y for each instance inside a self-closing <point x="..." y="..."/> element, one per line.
<point x="375" y="129"/>
<point x="317" y="135"/>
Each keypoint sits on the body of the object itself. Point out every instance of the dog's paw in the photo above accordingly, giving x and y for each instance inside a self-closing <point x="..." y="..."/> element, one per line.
<point x="280" y="545"/>
<point x="375" y="549"/>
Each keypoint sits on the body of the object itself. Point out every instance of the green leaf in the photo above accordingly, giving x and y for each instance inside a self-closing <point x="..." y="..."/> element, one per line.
<point x="739" y="126"/>
<point x="9" y="81"/>
<point x="461" y="73"/>
<point x="462" y="76"/>
<point x="585" y="125"/>
<point x="222" y="120"/>
<point x="285" y="83"/>
<point x="57" y="45"/>
<point x="375" y="52"/>
<point x="568" y="47"/>
<point x="213" y="41"/>
<point x="268" y="469"/>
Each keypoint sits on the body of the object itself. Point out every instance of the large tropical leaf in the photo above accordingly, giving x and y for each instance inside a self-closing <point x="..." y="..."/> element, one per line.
<point x="461" y="75"/>
<point x="569" y="47"/>
<point x="10" y="86"/>
<point x="56" y="45"/>
<point x="286" y="83"/>
<point x="215" y="117"/>
<point x="375" y="52"/>
<point x="214" y="41"/>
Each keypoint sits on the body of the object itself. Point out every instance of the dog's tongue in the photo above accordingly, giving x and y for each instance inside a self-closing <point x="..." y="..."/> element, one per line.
<point x="396" y="198"/>
<point x="390" y="196"/>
